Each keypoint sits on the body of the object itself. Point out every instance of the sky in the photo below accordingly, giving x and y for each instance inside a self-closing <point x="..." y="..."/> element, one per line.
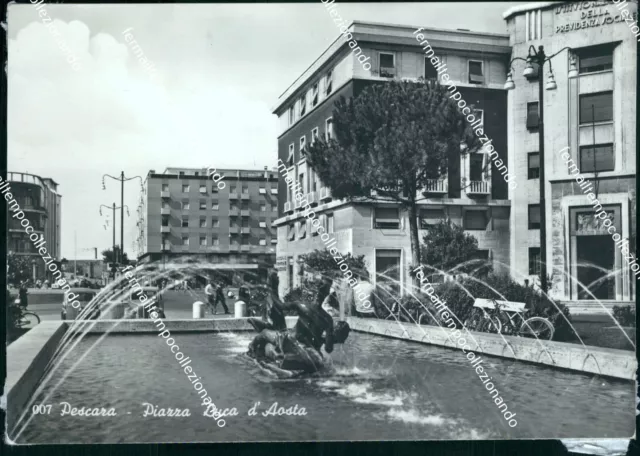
<point x="219" y="70"/>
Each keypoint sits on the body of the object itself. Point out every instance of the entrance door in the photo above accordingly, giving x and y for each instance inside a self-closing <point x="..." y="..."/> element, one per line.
<point x="388" y="270"/>
<point x="596" y="256"/>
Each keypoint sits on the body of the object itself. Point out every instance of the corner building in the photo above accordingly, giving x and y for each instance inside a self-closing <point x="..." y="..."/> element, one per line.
<point x="594" y="115"/>
<point x="473" y="194"/>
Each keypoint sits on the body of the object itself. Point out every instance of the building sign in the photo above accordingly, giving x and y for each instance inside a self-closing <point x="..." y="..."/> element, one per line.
<point x="585" y="15"/>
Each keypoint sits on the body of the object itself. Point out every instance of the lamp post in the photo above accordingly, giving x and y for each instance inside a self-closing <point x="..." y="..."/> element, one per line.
<point x="122" y="180"/>
<point x="540" y="58"/>
<point x="33" y="265"/>
<point x="113" y="208"/>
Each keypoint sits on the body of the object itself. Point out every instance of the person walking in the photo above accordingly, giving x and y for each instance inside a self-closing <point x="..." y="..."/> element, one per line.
<point x="274" y="282"/>
<point x="220" y="298"/>
<point x="211" y="301"/>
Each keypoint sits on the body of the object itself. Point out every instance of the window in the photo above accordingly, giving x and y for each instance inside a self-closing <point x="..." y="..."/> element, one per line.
<point x="534" y="165"/>
<point x="301" y="180"/>
<point x="534" y="216"/>
<point x="481" y="254"/>
<point x="303" y="143"/>
<point x="181" y="174"/>
<point x="302" y="105"/>
<point x="292" y="118"/>
<point x="185" y="222"/>
<point x="595" y="58"/>
<point x="186" y="206"/>
<point x="388" y="270"/>
<point x="328" y="128"/>
<point x="233" y="189"/>
<point x="203" y="188"/>
<point x="596" y="158"/>
<point x="478" y="114"/>
<point x="245" y="189"/>
<point x="263" y="206"/>
<point x="314" y="95"/>
<point x="196" y="173"/>
<point x="328" y="82"/>
<point x="203" y="241"/>
<point x="263" y="241"/>
<point x="291" y="232"/>
<point x="165" y="187"/>
<point x="430" y="217"/>
<point x="203" y="222"/>
<point x="532" y="116"/>
<point x="203" y="205"/>
<point x="386" y="218"/>
<point x="185" y="240"/>
<point x="429" y="71"/>
<point x="387" y="65"/>
<point x="215" y="240"/>
<point x="292" y="148"/>
<point x="302" y="229"/>
<point x="534" y="261"/>
<point x="215" y="206"/>
<point x="165" y="205"/>
<point x="476" y="75"/>
<point x="475" y="167"/>
<point x="274" y="207"/>
<point x="314" y="135"/>
<point x="475" y="220"/>
<point x="596" y="107"/>
<point x="330" y="223"/>
<point x="185" y="189"/>
<point x="215" y="223"/>
<point x="165" y="220"/>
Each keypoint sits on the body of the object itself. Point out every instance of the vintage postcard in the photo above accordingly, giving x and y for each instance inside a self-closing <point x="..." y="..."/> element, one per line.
<point x="321" y="221"/>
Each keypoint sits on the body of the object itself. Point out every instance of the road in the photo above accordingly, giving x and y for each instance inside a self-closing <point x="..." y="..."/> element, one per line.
<point x="177" y="305"/>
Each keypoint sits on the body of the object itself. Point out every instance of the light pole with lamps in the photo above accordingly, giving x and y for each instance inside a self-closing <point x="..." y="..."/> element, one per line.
<point x="122" y="180"/>
<point x="540" y="58"/>
<point x="113" y="208"/>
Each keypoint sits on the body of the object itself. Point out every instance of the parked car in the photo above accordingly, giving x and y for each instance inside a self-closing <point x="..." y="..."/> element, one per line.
<point x="85" y="295"/>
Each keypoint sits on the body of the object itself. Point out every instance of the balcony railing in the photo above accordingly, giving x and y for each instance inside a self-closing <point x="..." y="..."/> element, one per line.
<point x="387" y="72"/>
<point x="245" y="230"/>
<point x="262" y="191"/>
<point x="234" y="247"/>
<point x="234" y="195"/>
<point x="165" y="229"/>
<point x="234" y="229"/>
<point x="298" y="204"/>
<point x="245" y="248"/>
<point x="478" y="188"/>
<point x="245" y="196"/>
<point x="274" y="191"/>
<point x="325" y="193"/>
<point x="165" y="194"/>
<point x="245" y="212"/>
<point x="234" y="212"/>
<point x="165" y="211"/>
<point x="288" y="207"/>
<point x="437" y="186"/>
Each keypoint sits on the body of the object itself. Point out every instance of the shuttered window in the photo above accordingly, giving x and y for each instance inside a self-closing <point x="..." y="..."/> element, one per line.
<point x="386" y="218"/>
<point x="596" y="158"/>
<point x="430" y="217"/>
<point x="596" y="107"/>
<point x="534" y="216"/>
<point x="475" y="220"/>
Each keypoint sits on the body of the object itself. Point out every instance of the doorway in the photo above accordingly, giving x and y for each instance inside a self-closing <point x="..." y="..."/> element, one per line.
<point x="596" y="259"/>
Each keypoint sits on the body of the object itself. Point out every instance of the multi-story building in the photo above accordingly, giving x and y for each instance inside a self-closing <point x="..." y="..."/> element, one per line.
<point x="473" y="194"/>
<point x="184" y="212"/>
<point x="40" y="201"/>
<point x="589" y="119"/>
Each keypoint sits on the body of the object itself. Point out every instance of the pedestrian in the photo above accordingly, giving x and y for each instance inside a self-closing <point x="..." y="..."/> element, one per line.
<point x="274" y="282"/>
<point x="211" y="297"/>
<point x="22" y="295"/>
<point x="220" y="298"/>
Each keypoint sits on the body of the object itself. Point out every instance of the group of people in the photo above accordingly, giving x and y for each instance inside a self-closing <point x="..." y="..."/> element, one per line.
<point x="215" y="295"/>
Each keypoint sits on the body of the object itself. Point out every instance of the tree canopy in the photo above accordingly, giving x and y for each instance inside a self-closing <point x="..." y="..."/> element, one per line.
<point x="107" y="255"/>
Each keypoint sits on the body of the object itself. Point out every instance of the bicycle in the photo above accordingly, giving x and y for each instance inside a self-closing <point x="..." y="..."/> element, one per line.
<point x="25" y="319"/>
<point x="502" y="318"/>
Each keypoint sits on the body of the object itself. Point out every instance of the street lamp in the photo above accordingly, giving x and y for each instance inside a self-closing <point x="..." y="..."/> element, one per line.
<point x="540" y="58"/>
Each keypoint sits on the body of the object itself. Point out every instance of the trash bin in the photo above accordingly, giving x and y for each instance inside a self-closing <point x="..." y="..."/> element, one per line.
<point x="198" y="309"/>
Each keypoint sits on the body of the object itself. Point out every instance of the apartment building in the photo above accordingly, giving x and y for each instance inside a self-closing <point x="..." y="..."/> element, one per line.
<point x="40" y="201"/>
<point x="473" y="193"/>
<point x="219" y="216"/>
<point x="593" y="114"/>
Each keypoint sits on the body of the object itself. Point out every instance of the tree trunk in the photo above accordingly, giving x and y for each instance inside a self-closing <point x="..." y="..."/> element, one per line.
<point x="413" y="232"/>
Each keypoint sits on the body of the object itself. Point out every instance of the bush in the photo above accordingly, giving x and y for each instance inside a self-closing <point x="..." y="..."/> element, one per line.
<point x="626" y="316"/>
<point x="305" y="294"/>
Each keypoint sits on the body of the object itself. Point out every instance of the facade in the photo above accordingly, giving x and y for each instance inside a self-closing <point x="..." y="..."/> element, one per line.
<point x="91" y="269"/>
<point x="589" y="124"/>
<point x="473" y="194"/>
<point x="40" y="201"/>
<point x="184" y="212"/>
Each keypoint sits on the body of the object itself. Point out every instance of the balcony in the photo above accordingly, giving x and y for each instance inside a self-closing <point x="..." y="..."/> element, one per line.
<point x="288" y="207"/>
<point x="234" y="229"/>
<point x="166" y="247"/>
<point x="274" y="241"/>
<point x="299" y="204"/>
<point x="263" y="191"/>
<point x="165" y="229"/>
<point x="165" y="194"/>
<point x="387" y="72"/>
<point x="234" y="247"/>
<point x="478" y="188"/>
<point x="263" y="224"/>
<point x="165" y="211"/>
<point x="234" y="196"/>
<point x="437" y="186"/>
<point x="245" y="248"/>
<point x="245" y="212"/>
<point x="325" y="194"/>
<point x="245" y="196"/>
<point x="234" y="212"/>
<point x="245" y="230"/>
<point x="312" y="198"/>
<point x="274" y="191"/>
